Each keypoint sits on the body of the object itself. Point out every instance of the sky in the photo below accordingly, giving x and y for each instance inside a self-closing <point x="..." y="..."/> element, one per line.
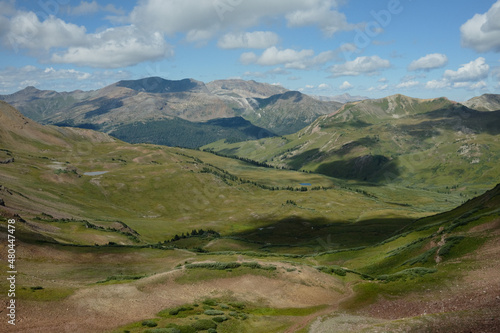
<point x="372" y="48"/>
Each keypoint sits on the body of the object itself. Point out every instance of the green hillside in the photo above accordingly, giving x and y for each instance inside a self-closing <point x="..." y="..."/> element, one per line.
<point x="395" y="141"/>
<point x="181" y="240"/>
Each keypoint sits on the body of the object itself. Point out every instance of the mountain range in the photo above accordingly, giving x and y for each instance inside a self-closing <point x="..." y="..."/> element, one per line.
<point x="125" y="108"/>
<point x="190" y="236"/>
<point x="434" y="143"/>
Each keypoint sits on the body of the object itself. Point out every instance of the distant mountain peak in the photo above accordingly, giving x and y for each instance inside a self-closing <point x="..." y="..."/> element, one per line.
<point x="485" y="102"/>
<point x="243" y="88"/>
<point x="30" y="88"/>
<point x="158" y="85"/>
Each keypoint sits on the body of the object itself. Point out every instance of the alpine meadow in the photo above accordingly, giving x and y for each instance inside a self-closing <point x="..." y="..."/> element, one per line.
<point x="235" y="166"/>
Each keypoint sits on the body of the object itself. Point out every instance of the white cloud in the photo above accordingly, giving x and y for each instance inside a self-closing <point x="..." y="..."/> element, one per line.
<point x="469" y="76"/>
<point x="303" y="59"/>
<point x="111" y="48"/>
<point x="252" y="40"/>
<point x="361" y="65"/>
<point x="430" y="61"/>
<point x="437" y="84"/>
<point x="324" y="86"/>
<point x="329" y="21"/>
<point x="346" y="86"/>
<point x="308" y="86"/>
<point x="274" y="56"/>
<point x="482" y="31"/>
<point x="13" y="78"/>
<point x="470" y="86"/>
<point x="473" y="71"/>
<point x="213" y="17"/>
<point x="140" y="35"/>
<point x="116" y="47"/>
<point x="379" y="88"/>
<point x="407" y="84"/>
<point x="478" y="85"/>
<point x="25" y="31"/>
<point x="248" y="58"/>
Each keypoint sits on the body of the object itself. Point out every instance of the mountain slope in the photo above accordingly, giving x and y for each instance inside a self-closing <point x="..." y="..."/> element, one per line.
<point x="394" y="140"/>
<point x="244" y="89"/>
<point x="438" y="274"/>
<point x="251" y="243"/>
<point x="147" y="184"/>
<point x="486" y="102"/>
<point x="158" y="85"/>
<point x="168" y="103"/>
<point x="177" y="132"/>
<point x="20" y="132"/>
<point x="288" y="112"/>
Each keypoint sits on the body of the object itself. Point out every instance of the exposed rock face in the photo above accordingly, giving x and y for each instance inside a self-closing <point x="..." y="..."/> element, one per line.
<point x="486" y="102"/>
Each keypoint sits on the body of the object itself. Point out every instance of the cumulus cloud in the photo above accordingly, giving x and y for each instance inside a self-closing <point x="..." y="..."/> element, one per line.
<point x="468" y="76"/>
<point x="192" y="17"/>
<point x="361" y="65"/>
<point x="116" y="47"/>
<point x="346" y="86"/>
<point x="248" y="40"/>
<point x="430" y="61"/>
<point x="473" y="71"/>
<point x="69" y="43"/>
<point x="25" y="31"/>
<point x="482" y="31"/>
<point x="303" y="59"/>
<point x="140" y="35"/>
<point x="289" y="57"/>
<point x="329" y="21"/>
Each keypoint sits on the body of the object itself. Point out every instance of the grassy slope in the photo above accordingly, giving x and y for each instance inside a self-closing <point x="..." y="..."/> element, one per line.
<point x="397" y="141"/>
<point x="160" y="191"/>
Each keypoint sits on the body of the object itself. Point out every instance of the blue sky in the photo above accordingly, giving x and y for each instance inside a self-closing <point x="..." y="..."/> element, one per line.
<point x="375" y="48"/>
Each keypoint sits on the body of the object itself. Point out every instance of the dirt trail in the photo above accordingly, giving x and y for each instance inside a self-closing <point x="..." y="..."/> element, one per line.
<point x="304" y="321"/>
<point x="100" y="308"/>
